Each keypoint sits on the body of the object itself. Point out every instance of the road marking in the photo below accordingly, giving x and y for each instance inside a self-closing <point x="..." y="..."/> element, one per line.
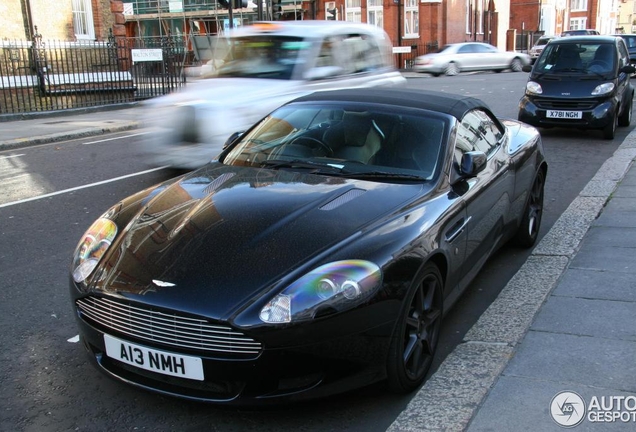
<point x="116" y="138"/>
<point x="81" y="187"/>
<point x="12" y="156"/>
<point x="74" y="339"/>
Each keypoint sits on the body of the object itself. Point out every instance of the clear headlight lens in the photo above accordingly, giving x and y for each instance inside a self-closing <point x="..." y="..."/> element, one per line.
<point x="533" y="88"/>
<point x="603" y="89"/>
<point x="329" y="288"/>
<point x="92" y="247"/>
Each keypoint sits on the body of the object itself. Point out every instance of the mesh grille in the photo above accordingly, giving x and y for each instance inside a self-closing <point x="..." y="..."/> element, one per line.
<point x="171" y="329"/>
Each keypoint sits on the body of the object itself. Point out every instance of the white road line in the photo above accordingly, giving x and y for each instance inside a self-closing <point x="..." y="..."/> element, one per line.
<point x="12" y="156"/>
<point x="116" y="138"/>
<point x="81" y="187"/>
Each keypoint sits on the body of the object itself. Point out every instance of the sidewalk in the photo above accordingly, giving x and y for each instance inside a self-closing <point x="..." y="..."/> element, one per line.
<point x="565" y="322"/>
<point x="41" y="128"/>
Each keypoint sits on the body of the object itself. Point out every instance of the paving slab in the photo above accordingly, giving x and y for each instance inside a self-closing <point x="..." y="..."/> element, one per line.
<point x="597" y="284"/>
<point x="523" y="404"/>
<point x="608" y="258"/>
<point x="576" y="360"/>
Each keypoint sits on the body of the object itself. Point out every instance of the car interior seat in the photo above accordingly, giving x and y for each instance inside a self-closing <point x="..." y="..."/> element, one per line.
<point x="605" y="54"/>
<point x="568" y="58"/>
<point x="414" y="148"/>
<point x="357" y="137"/>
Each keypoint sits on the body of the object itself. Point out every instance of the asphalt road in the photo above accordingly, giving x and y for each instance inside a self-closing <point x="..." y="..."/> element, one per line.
<point x="46" y="382"/>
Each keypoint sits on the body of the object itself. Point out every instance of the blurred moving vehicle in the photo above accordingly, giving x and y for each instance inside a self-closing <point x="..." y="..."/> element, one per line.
<point x="580" y="32"/>
<point x="469" y="56"/>
<point x="261" y="67"/>
<point x="581" y="82"/>
<point x="316" y="255"/>
<point x="536" y="49"/>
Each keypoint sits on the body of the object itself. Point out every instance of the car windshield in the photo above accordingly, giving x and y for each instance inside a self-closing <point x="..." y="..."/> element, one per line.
<point x="584" y="58"/>
<point x="386" y="144"/>
<point x="262" y="56"/>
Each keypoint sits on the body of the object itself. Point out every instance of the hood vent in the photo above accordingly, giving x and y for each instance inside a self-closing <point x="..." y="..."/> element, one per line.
<point x="217" y="182"/>
<point x="343" y="199"/>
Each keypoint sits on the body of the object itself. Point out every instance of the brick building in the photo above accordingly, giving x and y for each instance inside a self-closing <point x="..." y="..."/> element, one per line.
<point x="60" y="19"/>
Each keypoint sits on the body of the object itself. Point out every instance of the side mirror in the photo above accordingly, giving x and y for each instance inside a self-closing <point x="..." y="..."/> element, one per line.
<point x="472" y="163"/>
<point x="526" y="68"/>
<point x="629" y="69"/>
<point x="231" y="139"/>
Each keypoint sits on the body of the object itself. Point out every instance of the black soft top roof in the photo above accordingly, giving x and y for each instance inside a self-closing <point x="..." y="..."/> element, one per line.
<point x="448" y="103"/>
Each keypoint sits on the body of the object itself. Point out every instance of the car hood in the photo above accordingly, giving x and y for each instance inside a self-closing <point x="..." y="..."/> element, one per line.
<point x="568" y="85"/>
<point x="211" y="241"/>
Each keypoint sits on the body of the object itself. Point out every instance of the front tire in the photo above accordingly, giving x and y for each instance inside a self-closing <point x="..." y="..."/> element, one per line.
<point x="609" y="131"/>
<point x="528" y="231"/>
<point x="516" y="65"/>
<point x="452" y="69"/>
<point x="626" y="117"/>
<point x="417" y="332"/>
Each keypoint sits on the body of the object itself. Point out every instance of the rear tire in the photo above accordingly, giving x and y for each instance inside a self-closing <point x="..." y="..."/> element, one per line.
<point x="417" y="332"/>
<point x="516" y="65"/>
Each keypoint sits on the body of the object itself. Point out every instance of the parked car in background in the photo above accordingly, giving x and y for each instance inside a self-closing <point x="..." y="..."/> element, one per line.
<point x="538" y="46"/>
<point x="262" y="66"/>
<point x="580" y="32"/>
<point x="318" y="254"/>
<point x="630" y="41"/>
<point x="469" y="56"/>
<point x="580" y="82"/>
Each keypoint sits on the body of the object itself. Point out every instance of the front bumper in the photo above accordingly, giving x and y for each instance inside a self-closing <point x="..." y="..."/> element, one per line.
<point x="595" y="114"/>
<point x="304" y="371"/>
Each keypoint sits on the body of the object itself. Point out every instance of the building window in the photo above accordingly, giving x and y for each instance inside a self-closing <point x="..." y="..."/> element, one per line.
<point x="578" y="23"/>
<point x="578" y="5"/>
<point x="375" y="13"/>
<point x="353" y="12"/>
<point x="83" y="19"/>
<point x="411" y="19"/>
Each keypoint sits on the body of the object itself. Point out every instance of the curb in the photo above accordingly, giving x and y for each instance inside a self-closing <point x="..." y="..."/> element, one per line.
<point x="453" y="395"/>
<point x="63" y="136"/>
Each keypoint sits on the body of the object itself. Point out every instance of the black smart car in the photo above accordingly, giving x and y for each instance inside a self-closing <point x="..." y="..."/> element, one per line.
<point x="581" y="82"/>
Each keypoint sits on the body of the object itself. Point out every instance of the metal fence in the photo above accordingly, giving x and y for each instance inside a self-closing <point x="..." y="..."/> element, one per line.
<point x="43" y="75"/>
<point x="405" y="55"/>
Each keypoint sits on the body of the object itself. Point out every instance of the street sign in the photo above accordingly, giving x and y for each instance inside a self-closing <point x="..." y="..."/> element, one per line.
<point x="147" y="55"/>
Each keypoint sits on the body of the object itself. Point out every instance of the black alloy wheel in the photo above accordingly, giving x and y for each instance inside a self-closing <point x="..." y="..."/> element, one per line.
<point x="626" y="116"/>
<point x="417" y="333"/>
<point x="528" y="231"/>
<point x="610" y="130"/>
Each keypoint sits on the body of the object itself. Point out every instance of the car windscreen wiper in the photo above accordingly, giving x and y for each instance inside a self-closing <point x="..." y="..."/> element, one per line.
<point x="300" y="163"/>
<point x="383" y="175"/>
<point x="571" y="69"/>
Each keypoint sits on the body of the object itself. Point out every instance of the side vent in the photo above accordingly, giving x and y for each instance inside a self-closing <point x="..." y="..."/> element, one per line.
<point x="217" y="182"/>
<point x="343" y="199"/>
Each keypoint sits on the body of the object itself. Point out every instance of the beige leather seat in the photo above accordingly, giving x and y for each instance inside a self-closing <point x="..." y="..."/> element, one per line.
<point x="357" y="137"/>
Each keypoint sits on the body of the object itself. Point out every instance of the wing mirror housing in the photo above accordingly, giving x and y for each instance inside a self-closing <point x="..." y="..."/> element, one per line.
<point x="231" y="139"/>
<point x="472" y="163"/>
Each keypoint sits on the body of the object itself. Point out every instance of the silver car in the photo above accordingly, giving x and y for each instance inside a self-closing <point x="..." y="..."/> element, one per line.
<point x="470" y="56"/>
<point x="263" y="66"/>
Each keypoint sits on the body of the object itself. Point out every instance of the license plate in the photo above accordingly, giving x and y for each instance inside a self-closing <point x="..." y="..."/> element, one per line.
<point x="564" y="114"/>
<point x="162" y="362"/>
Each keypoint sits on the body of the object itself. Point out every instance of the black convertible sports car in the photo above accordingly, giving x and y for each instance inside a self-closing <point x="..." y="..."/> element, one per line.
<point x="318" y="253"/>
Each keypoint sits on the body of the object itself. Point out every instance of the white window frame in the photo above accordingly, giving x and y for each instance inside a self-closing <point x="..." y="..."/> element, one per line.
<point x="411" y="19"/>
<point x="83" y="24"/>
<point x="480" y="16"/>
<point x="468" y="16"/>
<point x="578" y="23"/>
<point x="353" y="11"/>
<point x="375" y="13"/>
<point x="578" y="5"/>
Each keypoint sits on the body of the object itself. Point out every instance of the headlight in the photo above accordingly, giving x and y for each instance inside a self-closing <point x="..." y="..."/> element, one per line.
<point x="533" y="88"/>
<point x="333" y="287"/>
<point x="90" y="250"/>
<point x="603" y="89"/>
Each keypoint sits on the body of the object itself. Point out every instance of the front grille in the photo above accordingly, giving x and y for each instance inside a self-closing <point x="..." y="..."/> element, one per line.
<point x="172" y="329"/>
<point x="564" y="104"/>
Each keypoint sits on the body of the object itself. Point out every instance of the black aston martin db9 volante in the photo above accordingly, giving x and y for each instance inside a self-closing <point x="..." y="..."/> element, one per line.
<point x="316" y="254"/>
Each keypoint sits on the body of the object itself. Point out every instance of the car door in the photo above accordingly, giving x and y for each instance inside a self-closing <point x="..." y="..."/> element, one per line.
<point x="467" y="58"/>
<point x="487" y="57"/>
<point x="624" y="84"/>
<point x="487" y="195"/>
